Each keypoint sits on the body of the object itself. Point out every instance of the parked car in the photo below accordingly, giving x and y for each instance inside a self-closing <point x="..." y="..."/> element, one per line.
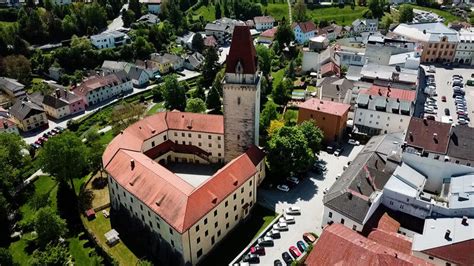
<point x="51" y="133"/>
<point x="265" y="241"/>
<point x="309" y="238"/>
<point x="45" y="135"/>
<point x="277" y="263"/>
<point x="293" y="210"/>
<point x="251" y="258"/>
<point x="55" y="131"/>
<point x="275" y="234"/>
<point x="260" y="250"/>
<point x="431" y="69"/>
<point x="338" y="152"/>
<point x="446" y="111"/>
<point x="283" y="188"/>
<point x="430" y="117"/>
<point x="35" y="146"/>
<point x="320" y="166"/>
<point x="39" y="143"/>
<point x="443" y="98"/>
<point x="293" y="180"/>
<point x="330" y="149"/>
<point x="287" y="258"/>
<point x="294" y="252"/>
<point x="281" y="226"/>
<point x="354" y="142"/>
<point x="60" y="129"/>
<point x="43" y="139"/>
<point x="301" y="246"/>
<point x="287" y="219"/>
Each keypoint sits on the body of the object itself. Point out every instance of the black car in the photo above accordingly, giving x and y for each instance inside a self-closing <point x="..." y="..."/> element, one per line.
<point x="446" y="111"/>
<point x="287" y="258"/>
<point x="277" y="263"/>
<point x="251" y="258"/>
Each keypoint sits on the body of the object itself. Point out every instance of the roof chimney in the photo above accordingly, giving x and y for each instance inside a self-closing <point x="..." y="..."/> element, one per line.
<point x="464" y="221"/>
<point x="380" y="92"/>
<point x="410" y="134"/>
<point x="446" y="235"/>
<point x="132" y="163"/>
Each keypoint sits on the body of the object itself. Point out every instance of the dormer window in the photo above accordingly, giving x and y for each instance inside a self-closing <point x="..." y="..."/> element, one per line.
<point x="238" y="68"/>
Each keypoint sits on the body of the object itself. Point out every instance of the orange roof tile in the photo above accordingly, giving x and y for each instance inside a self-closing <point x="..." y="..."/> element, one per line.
<point x="270" y="33"/>
<point x="195" y="122"/>
<point x="328" y="107"/>
<point x="339" y="245"/>
<point x="407" y="95"/>
<point x="388" y="224"/>
<point x="391" y="239"/>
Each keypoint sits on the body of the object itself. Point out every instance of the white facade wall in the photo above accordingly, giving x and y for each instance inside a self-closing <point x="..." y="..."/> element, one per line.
<point x="330" y="215"/>
<point x="405" y="204"/>
<point x="386" y="122"/>
<point x="465" y="48"/>
<point x="205" y="234"/>
<point x="263" y="26"/>
<point x="351" y="59"/>
<point x="105" y="93"/>
<point x="57" y="113"/>
<point x="302" y="37"/>
<point x="103" y="41"/>
<point x="311" y="61"/>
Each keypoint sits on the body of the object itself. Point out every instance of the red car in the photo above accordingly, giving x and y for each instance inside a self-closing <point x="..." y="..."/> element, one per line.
<point x="39" y="142"/>
<point x="43" y="139"/>
<point x="443" y="98"/>
<point x="257" y="250"/>
<point x="294" y="252"/>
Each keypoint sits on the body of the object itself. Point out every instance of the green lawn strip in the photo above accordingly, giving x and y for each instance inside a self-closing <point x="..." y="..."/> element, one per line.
<point x="156" y="108"/>
<point x="448" y="17"/>
<point x="277" y="11"/>
<point x="311" y="89"/>
<point x="79" y="252"/>
<point x="99" y="226"/>
<point x="208" y="12"/>
<point x="240" y="237"/>
<point x="342" y="16"/>
<point x="277" y="77"/>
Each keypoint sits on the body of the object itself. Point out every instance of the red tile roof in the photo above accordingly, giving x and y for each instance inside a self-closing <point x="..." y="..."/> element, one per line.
<point x="95" y="82"/>
<point x="391" y="239"/>
<point x="255" y="154"/>
<point x="305" y="26"/>
<point x="421" y="134"/>
<point x="339" y="245"/>
<point x="264" y="19"/>
<point x="270" y="33"/>
<point x="459" y="253"/>
<point x="388" y="224"/>
<point x="329" y="69"/>
<point x="407" y="95"/>
<point x="210" y="41"/>
<point x="242" y="50"/>
<point x="328" y="107"/>
<point x="6" y="121"/>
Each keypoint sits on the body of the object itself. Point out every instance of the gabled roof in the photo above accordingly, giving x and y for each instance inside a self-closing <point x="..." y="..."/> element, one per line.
<point x="242" y="51"/>
<point x="339" y="245"/>
<point x="270" y="33"/>
<point x="12" y="85"/>
<point x="24" y="109"/>
<point x="264" y="19"/>
<point x="421" y="134"/>
<point x="328" y="107"/>
<point x="135" y="72"/>
<point x="96" y="82"/>
<point x="305" y="27"/>
<point x="54" y="102"/>
<point x="461" y="143"/>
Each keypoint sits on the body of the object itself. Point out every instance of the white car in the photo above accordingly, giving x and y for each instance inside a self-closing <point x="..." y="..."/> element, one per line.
<point x="287" y="219"/>
<point x="293" y="210"/>
<point x="354" y="142"/>
<point x="283" y="188"/>
<point x="325" y="190"/>
<point x="432" y="69"/>
<point x="281" y="226"/>
<point x="293" y="180"/>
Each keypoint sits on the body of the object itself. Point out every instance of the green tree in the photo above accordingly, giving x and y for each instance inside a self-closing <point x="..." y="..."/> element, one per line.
<point x="284" y="35"/>
<point x="406" y="14"/>
<point x="198" y="42"/>
<point x="143" y="48"/>
<point x="210" y="67"/>
<point x="269" y="113"/>
<point x="386" y="22"/>
<point x="281" y="92"/>
<point x="134" y="5"/>
<point x="11" y="161"/>
<point x="17" y="67"/>
<point x="299" y="11"/>
<point x="126" y="114"/>
<point x="226" y="9"/>
<point x="52" y="255"/>
<point x="157" y="95"/>
<point x="128" y="17"/>
<point x="265" y="56"/>
<point x="5" y="257"/>
<point x="376" y="7"/>
<point x="195" y="105"/>
<point x="49" y="226"/>
<point x="291" y="72"/>
<point x="199" y="93"/>
<point x="4" y="225"/>
<point x="313" y="134"/>
<point x="173" y="93"/>
<point x="64" y="157"/>
<point x="213" y="100"/>
<point x="218" y="12"/>
<point x="288" y="151"/>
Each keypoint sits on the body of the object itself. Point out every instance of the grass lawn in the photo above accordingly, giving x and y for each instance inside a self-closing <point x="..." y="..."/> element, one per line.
<point x="290" y="117"/>
<point x="43" y="185"/>
<point x="208" y="12"/>
<point x="277" y="77"/>
<point x="107" y="137"/>
<point x="311" y="89"/>
<point x="79" y="252"/>
<point x="99" y="226"/>
<point x="17" y="249"/>
<point x="240" y="237"/>
<point x="448" y="17"/>
<point x="278" y="11"/>
<point x="6" y="24"/>
<point x="342" y="16"/>
<point x="156" y="108"/>
<point x="101" y="196"/>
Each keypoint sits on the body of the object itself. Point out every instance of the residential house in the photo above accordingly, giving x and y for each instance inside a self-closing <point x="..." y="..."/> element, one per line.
<point x="318" y="43"/>
<point x="167" y="61"/>
<point x="428" y="138"/>
<point x="329" y="32"/>
<point x="114" y="66"/>
<point x="219" y="31"/>
<point x="312" y="61"/>
<point x="349" y="56"/>
<point x="395" y="76"/>
<point x="465" y="48"/>
<point x="304" y="31"/>
<point x="210" y="41"/>
<point x="7" y="124"/>
<point x="335" y="89"/>
<point x="268" y="36"/>
<point x="148" y="19"/>
<point x="330" y="69"/>
<point x="139" y="76"/>
<point x="461" y="145"/>
<point x="55" y="107"/>
<point x="194" y="62"/>
<point x="365" y="25"/>
<point x="382" y="110"/>
<point x="28" y="115"/>
<point x="110" y="39"/>
<point x="153" y="6"/>
<point x="331" y="117"/>
<point x="438" y="41"/>
<point x="97" y="89"/>
<point x="12" y="87"/>
<point x="263" y="23"/>
<point x="55" y="73"/>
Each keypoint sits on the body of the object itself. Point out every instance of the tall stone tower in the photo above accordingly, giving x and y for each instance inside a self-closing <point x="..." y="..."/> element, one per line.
<point x="241" y="89"/>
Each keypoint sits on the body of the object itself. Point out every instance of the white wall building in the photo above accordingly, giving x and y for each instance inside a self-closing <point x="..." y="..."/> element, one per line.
<point x="465" y="48"/>
<point x="110" y="39"/>
<point x="304" y="31"/>
<point x="365" y="25"/>
<point x="263" y="23"/>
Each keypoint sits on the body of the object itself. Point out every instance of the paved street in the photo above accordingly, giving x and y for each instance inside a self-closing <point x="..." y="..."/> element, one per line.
<point x="442" y="76"/>
<point x="309" y="196"/>
<point x="117" y="23"/>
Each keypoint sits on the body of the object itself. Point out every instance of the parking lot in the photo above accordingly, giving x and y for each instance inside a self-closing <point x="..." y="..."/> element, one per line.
<point x="443" y="88"/>
<point x="308" y="195"/>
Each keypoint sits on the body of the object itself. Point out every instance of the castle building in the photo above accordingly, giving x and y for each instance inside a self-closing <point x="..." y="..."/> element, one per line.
<point x="167" y="178"/>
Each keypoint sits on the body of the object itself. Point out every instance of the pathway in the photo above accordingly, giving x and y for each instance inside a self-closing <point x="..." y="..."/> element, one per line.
<point x="289" y="11"/>
<point x="117" y="23"/>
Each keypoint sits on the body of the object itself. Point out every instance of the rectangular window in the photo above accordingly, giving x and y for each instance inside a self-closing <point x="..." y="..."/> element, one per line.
<point x="205" y="221"/>
<point x="198" y="240"/>
<point x="206" y="233"/>
<point x="216" y="224"/>
<point x="199" y="136"/>
<point x="330" y="214"/>
<point x="242" y="190"/>
<point x="218" y="137"/>
<point x="235" y="207"/>
<point x="209" y="137"/>
<point x="210" y="145"/>
<point x="199" y="253"/>
<point x="215" y="213"/>
<point x="189" y="135"/>
<point x="354" y="227"/>
<point x="226" y="203"/>
<point x="197" y="228"/>
<point x="171" y="231"/>
<point x="219" y="233"/>
<point x="131" y="199"/>
<point x="236" y="217"/>
<point x="342" y="220"/>
<point x="153" y="144"/>
<point x="182" y="135"/>
<point x="158" y="225"/>
<point x="226" y="215"/>
<point x="250" y="183"/>
<point x="227" y="226"/>
<point x="172" y="243"/>
<point x="175" y="134"/>
<point x="141" y="207"/>
<point x="212" y="240"/>
<point x="250" y="194"/>
<point x="235" y="196"/>
<point x="242" y="201"/>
